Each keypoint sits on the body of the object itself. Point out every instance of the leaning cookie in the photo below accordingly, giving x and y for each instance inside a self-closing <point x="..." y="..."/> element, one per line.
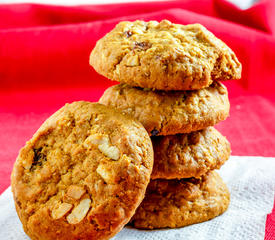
<point x="173" y="112"/>
<point x="164" y="56"/>
<point x="189" y="155"/>
<point x="83" y="174"/>
<point x="178" y="203"/>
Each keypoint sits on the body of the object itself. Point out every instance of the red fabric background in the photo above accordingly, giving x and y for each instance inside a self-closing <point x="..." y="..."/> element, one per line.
<point x="44" y="53"/>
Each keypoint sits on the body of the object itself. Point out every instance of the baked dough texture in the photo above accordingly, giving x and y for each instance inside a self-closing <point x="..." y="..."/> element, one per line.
<point x="189" y="155"/>
<point x="178" y="203"/>
<point x="172" y="112"/>
<point x="83" y="173"/>
<point x="164" y="56"/>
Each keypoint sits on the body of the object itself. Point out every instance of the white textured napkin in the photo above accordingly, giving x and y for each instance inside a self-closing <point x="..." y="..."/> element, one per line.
<point x="251" y="181"/>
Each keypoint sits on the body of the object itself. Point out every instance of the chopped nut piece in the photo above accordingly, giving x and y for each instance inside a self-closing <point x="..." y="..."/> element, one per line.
<point x="61" y="210"/>
<point x="110" y="151"/>
<point x="94" y="139"/>
<point x="103" y="145"/>
<point x="117" y="70"/>
<point x="75" y="192"/>
<point x="79" y="212"/>
<point x="104" y="173"/>
<point x="133" y="61"/>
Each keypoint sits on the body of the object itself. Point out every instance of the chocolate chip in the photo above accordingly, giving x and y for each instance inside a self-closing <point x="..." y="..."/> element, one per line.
<point x="38" y="158"/>
<point x="154" y="132"/>
<point x="128" y="33"/>
<point x="142" y="45"/>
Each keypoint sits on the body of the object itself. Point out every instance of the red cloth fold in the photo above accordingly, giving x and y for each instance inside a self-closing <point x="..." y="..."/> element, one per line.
<point x="44" y="53"/>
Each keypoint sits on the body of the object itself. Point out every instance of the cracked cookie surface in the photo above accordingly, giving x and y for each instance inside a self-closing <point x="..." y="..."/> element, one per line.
<point x="83" y="173"/>
<point x="178" y="203"/>
<point x="173" y="112"/>
<point x="164" y="56"/>
<point x="189" y="155"/>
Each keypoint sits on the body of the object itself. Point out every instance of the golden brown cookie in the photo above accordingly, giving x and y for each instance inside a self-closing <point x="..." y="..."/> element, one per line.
<point x="178" y="203"/>
<point x="173" y="112"/>
<point x="83" y="173"/>
<point x="189" y="155"/>
<point x="164" y="56"/>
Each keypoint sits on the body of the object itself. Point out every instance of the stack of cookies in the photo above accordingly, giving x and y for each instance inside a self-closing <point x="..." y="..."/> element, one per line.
<point x="169" y="76"/>
<point x="90" y="169"/>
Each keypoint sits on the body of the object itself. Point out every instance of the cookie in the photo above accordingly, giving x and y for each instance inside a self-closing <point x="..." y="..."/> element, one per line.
<point x="83" y="173"/>
<point x="173" y="112"/>
<point x="164" y="56"/>
<point x="178" y="203"/>
<point x="189" y="155"/>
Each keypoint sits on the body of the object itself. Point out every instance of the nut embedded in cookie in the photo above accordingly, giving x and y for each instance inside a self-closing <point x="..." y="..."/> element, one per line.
<point x="79" y="212"/>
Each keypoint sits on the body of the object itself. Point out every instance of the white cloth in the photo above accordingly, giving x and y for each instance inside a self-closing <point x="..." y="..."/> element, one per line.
<point x="251" y="181"/>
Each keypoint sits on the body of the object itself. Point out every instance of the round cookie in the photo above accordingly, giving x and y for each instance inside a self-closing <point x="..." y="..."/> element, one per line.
<point x="178" y="203"/>
<point x="189" y="155"/>
<point x="83" y="173"/>
<point x="164" y="56"/>
<point x="173" y="112"/>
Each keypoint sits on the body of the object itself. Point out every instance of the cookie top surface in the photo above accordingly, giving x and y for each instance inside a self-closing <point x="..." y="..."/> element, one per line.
<point x="173" y="112"/>
<point x="189" y="155"/>
<point x="178" y="203"/>
<point x="164" y="56"/>
<point x="83" y="174"/>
